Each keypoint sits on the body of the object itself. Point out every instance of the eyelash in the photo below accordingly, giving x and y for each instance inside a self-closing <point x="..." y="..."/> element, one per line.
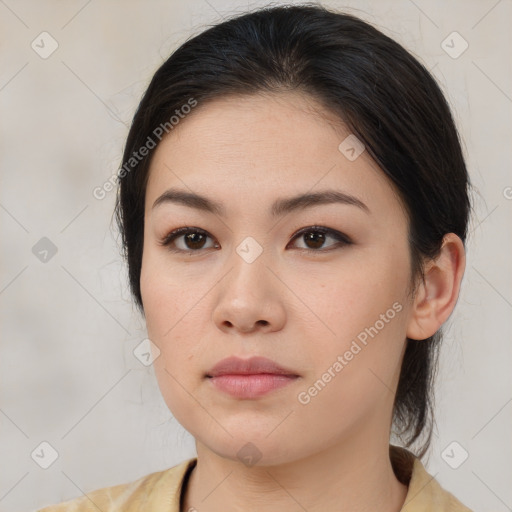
<point x="341" y="238"/>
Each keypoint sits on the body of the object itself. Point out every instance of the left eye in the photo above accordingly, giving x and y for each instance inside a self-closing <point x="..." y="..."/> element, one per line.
<point x="316" y="236"/>
<point x="193" y="239"/>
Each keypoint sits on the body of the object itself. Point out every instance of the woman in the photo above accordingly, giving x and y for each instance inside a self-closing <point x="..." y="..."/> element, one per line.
<point x="293" y="202"/>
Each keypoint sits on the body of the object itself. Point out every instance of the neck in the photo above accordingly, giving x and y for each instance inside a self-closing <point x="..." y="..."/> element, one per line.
<point x="350" y="477"/>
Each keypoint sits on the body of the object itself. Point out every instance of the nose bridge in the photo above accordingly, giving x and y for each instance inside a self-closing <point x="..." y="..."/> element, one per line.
<point x="249" y="266"/>
<point x="248" y="262"/>
<point x="252" y="248"/>
<point x="249" y="235"/>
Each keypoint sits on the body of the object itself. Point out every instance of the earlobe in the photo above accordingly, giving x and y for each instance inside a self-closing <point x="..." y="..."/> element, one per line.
<point x="437" y="294"/>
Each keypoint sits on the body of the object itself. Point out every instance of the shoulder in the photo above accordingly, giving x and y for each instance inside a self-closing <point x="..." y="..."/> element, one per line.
<point x="145" y="493"/>
<point x="427" y="494"/>
<point x="424" y="491"/>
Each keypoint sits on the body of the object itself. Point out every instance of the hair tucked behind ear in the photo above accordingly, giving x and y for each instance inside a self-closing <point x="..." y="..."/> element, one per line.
<point x="375" y="87"/>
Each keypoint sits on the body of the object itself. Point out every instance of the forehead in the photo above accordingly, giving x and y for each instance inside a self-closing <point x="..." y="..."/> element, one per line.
<point x="261" y="147"/>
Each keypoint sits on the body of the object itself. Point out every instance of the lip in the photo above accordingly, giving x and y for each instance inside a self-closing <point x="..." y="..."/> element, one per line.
<point x="249" y="378"/>
<point x="252" y="366"/>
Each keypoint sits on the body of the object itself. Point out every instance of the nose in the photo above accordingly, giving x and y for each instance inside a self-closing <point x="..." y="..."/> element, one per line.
<point x="249" y="299"/>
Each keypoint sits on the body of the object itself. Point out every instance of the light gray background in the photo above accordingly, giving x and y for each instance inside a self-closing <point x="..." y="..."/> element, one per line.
<point x="68" y="374"/>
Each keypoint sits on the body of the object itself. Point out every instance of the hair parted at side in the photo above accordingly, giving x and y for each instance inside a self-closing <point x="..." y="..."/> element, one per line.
<point x="375" y="87"/>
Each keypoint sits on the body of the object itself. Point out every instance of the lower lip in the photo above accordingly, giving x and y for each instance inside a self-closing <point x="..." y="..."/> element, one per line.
<point x="251" y="386"/>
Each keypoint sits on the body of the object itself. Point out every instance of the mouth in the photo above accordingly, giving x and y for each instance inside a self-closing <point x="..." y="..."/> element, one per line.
<point x="249" y="378"/>
<point x="251" y="386"/>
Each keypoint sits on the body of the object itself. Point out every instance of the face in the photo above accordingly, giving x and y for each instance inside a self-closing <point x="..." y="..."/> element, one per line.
<point x="321" y="289"/>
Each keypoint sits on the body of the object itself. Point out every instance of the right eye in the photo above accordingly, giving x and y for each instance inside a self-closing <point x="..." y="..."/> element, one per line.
<point x="193" y="240"/>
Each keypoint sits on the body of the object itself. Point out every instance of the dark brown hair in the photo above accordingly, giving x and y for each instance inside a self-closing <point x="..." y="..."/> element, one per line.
<point x="374" y="86"/>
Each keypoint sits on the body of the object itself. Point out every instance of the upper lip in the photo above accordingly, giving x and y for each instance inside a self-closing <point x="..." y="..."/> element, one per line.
<point x="252" y="366"/>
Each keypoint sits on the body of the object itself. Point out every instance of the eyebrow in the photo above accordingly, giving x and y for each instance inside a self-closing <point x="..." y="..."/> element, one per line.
<point x="279" y="208"/>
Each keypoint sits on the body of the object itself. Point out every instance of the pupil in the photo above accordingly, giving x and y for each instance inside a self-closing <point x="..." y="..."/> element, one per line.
<point x="316" y="237"/>
<point x="190" y="240"/>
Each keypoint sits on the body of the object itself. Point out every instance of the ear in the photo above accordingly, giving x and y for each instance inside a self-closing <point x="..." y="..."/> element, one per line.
<point x="437" y="294"/>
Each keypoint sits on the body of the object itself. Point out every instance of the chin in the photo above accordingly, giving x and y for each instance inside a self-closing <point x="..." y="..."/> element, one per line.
<point x="251" y="447"/>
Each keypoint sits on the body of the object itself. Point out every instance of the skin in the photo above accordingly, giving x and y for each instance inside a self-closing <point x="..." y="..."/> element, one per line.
<point x="301" y="309"/>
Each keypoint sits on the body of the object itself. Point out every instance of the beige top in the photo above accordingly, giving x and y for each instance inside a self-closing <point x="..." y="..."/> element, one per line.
<point x="162" y="491"/>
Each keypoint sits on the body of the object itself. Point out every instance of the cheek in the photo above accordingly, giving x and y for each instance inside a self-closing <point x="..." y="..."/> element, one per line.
<point x="169" y="329"/>
<point x="160" y="292"/>
<point x="174" y="314"/>
<point x="362" y="316"/>
<point x="164" y="313"/>
<point x="353" y="374"/>
<point x="346" y="297"/>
